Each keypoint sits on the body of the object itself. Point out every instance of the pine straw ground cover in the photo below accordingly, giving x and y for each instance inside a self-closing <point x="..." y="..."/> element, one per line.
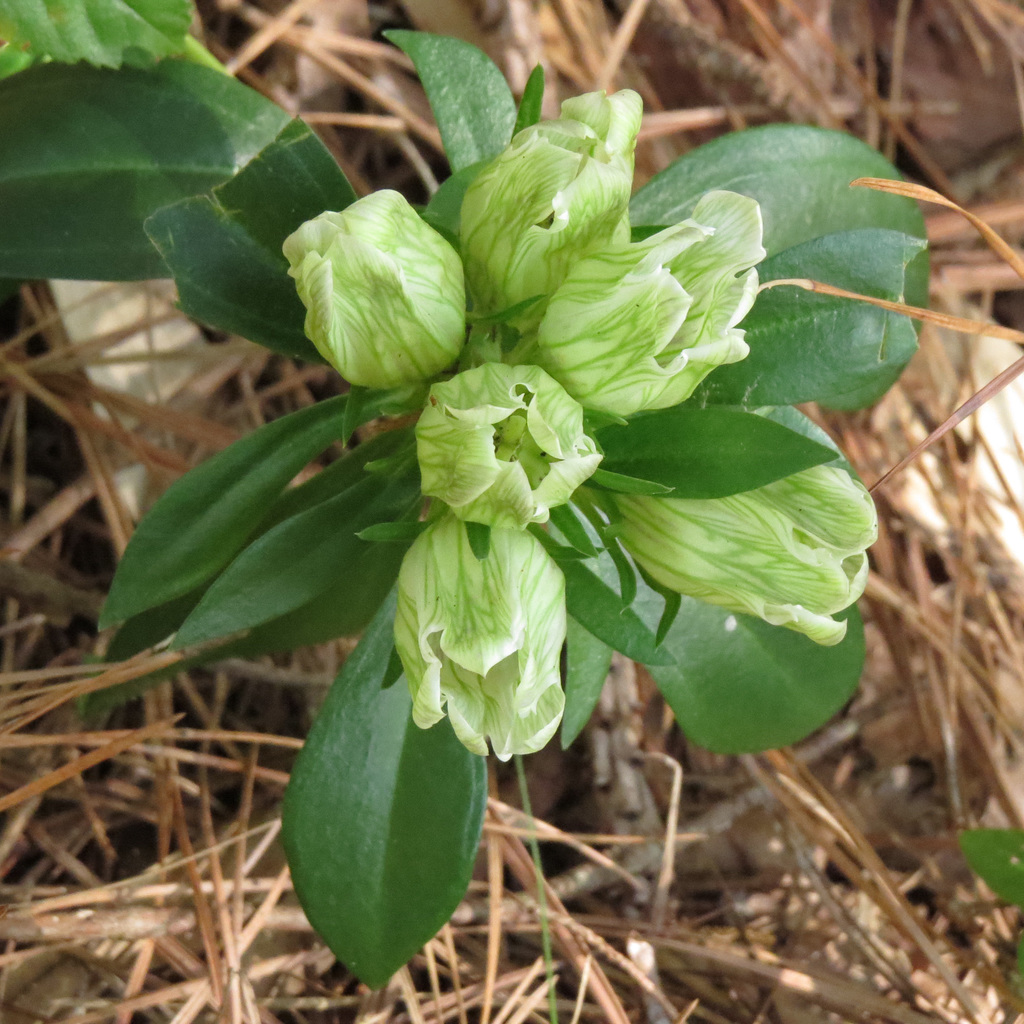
<point x="140" y="871"/>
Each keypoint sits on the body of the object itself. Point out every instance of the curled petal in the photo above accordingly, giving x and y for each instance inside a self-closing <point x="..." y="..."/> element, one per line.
<point x="560" y="189"/>
<point x="502" y="445"/>
<point x="639" y="325"/>
<point x="792" y="553"/>
<point x="384" y="292"/>
<point x="482" y="639"/>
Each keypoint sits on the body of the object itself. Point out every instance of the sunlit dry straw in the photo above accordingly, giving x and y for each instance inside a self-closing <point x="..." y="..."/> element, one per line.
<point x="956" y="323"/>
<point x="80" y="764"/>
<point x="927" y="195"/>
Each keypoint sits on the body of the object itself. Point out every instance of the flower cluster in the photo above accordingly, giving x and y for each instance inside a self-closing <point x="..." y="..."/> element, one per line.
<point x="568" y="315"/>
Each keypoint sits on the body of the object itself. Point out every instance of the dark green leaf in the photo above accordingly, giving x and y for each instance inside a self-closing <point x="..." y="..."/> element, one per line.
<point x="505" y="315"/>
<point x="471" y="101"/>
<point x="353" y="407"/>
<point x="381" y="819"/>
<point x="298" y="560"/>
<point x="152" y="626"/>
<point x="444" y="211"/>
<point x="103" y="32"/>
<point x="479" y="537"/>
<point x="626" y="484"/>
<point x="205" y="518"/>
<point x="739" y="685"/>
<point x="808" y="347"/>
<point x="88" y="154"/>
<point x="337" y="477"/>
<point x="224" y="249"/>
<point x="403" y="532"/>
<point x="624" y="567"/>
<point x="997" y="855"/>
<point x="799" y="175"/>
<point x="564" y="518"/>
<point x="673" y="603"/>
<point x="600" y="610"/>
<point x="531" y="101"/>
<point x="707" y="452"/>
<point x="588" y="661"/>
<point x="8" y="287"/>
<point x="341" y="611"/>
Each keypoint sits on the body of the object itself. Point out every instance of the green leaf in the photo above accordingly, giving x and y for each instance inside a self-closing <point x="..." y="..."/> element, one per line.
<point x="600" y="610"/>
<point x="707" y="452"/>
<point x="348" y="613"/>
<point x="390" y="533"/>
<point x="531" y="101"/>
<point x="739" y="685"/>
<point x="808" y="347"/>
<point x="444" y="211"/>
<point x="224" y="249"/>
<point x="588" y="662"/>
<point x="338" y="476"/>
<point x="297" y="561"/>
<point x="799" y="175"/>
<point x="88" y="154"/>
<point x="103" y="32"/>
<point x="997" y="855"/>
<point x="13" y="59"/>
<point x="343" y="610"/>
<point x="381" y="819"/>
<point x="564" y="519"/>
<point x="625" y="484"/>
<point x="152" y="626"/>
<point x="479" y="537"/>
<point x="204" y="519"/>
<point x="469" y="96"/>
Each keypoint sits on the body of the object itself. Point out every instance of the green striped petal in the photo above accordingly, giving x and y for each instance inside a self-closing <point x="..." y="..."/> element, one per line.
<point x="502" y="445"/>
<point x="482" y="639"/>
<point x="639" y="325"/>
<point x="792" y="553"/>
<point x="560" y="189"/>
<point x="384" y="292"/>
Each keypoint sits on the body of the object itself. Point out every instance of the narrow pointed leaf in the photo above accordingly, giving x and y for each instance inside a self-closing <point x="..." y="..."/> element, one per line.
<point x="707" y="452"/>
<point x="298" y="560"/>
<point x="588" y="661"/>
<point x="205" y="518"/>
<point x="531" y="101"/>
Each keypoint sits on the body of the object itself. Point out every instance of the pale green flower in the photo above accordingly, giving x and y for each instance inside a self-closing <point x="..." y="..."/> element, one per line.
<point x="384" y="292"/>
<point x="792" y="552"/>
<point x="483" y="637"/>
<point x="560" y="189"/>
<point x="640" y="325"/>
<point x="503" y="444"/>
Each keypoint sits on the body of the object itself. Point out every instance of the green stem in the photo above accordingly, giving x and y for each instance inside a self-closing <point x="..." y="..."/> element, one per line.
<point x="199" y="54"/>
<point x="542" y="900"/>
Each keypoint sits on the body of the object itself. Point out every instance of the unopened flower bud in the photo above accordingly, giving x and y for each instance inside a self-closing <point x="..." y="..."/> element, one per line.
<point x="503" y="444"/>
<point x="384" y="292"/>
<point x="483" y="638"/>
<point x="792" y="552"/>
<point x="639" y="325"/>
<point x="558" y="190"/>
